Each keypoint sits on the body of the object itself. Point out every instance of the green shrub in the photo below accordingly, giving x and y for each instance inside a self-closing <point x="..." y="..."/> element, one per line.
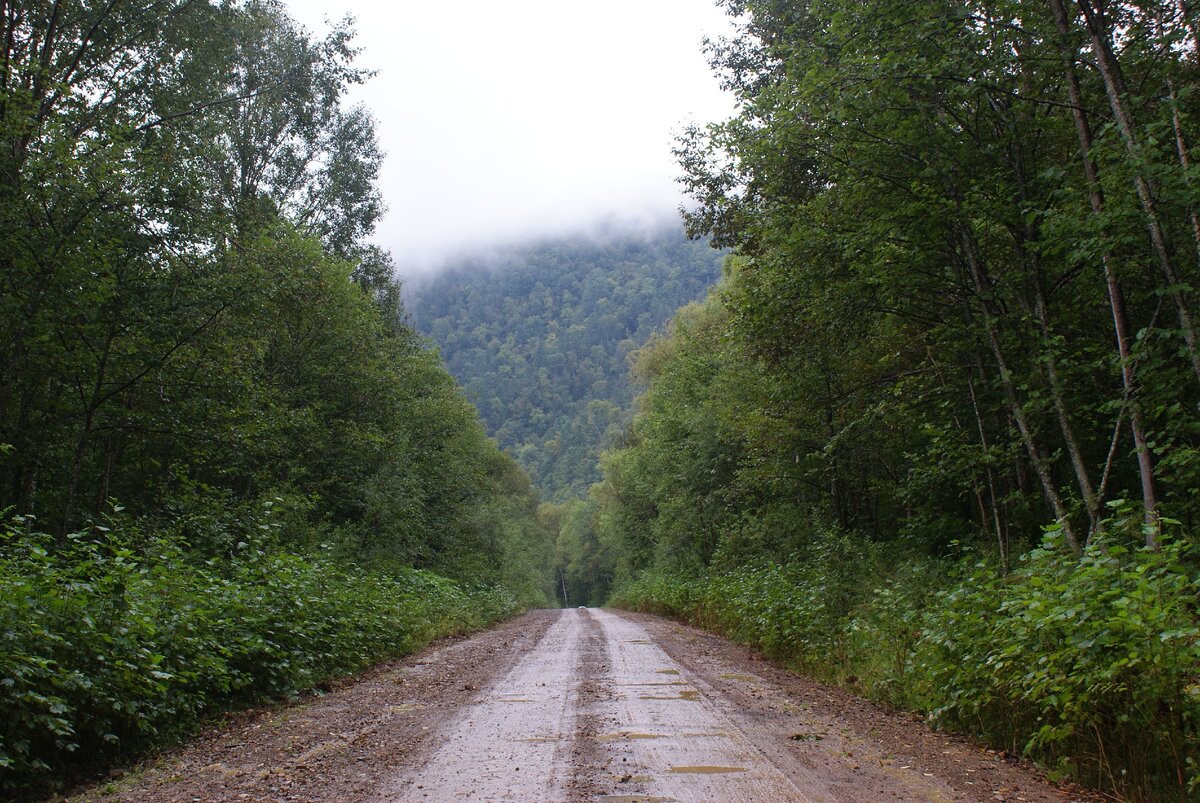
<point x="1090" y="664"/>
<point x="883" y="633"/>
<point x="116" y="639"/>
<point x="797" y="612"/>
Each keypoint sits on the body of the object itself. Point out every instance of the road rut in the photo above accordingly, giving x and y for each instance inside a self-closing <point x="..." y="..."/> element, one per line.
<point x="581" y="705"/>
<point x="674" y="742"/>
<point x="515" y="737"/>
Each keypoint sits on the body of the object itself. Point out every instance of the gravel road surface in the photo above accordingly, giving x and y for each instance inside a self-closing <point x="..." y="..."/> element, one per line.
<point x="580" y="705"/>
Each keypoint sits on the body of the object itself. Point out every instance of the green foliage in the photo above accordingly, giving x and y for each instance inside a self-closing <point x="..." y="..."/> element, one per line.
<point x="959" y="313"/>
<point x="540" y="335"/>
<point x="1089" y="666"/>
<point x="925" y="274"/>
<point x="824" y="611"/>
<point x="584" y="565"/>
<point x="193" y="324"/>
<point x="120" y="638"/>
<point x="1089" y="663"/>
<point x="192" y="319"/>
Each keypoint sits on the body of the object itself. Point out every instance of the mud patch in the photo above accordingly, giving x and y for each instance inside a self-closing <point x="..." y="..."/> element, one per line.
<point x="614" y="737"/>
<point x="494" y="750"/>
<point x="588" y="760"/>
<point x="404" y="708"/>
<point x="685" y="694"/>
<point x="308" y="756"/>
<point x="703" y="758"/>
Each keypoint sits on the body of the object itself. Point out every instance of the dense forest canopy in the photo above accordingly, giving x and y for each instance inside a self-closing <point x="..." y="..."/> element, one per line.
<point x="228" y="466"/>
<point x="540" y="337"/>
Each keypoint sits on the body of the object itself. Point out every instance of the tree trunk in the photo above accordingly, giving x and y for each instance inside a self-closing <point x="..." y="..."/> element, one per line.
<point x="1190" y="24"/>
<point x="81" y="446"/>
<point x="982" y="283"/>
<point x="1184" y="162"/>
<point x="1001" y="542"/>
<point x="1115" y="296"/>
<point x="1114" y="88"/>
<point x="1090" y="503"/>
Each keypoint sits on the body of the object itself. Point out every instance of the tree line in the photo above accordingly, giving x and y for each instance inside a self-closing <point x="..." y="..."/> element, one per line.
<point x="936" y="433"/>
<point x="229" y="467"/>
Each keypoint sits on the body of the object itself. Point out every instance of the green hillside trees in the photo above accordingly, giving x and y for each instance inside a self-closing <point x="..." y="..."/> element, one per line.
<point x="539" y="336"/>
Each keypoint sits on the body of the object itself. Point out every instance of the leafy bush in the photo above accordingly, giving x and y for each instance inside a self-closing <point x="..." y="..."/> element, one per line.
<point x="797" y="612"/>
<point x="1091" y="662"/>
<point x="117" y="639"/>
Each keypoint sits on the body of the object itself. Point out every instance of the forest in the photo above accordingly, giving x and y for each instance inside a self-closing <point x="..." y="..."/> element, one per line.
<point x="935" y="434"/>
<point x="540" y="337"/>
<point x="229" y="468"/>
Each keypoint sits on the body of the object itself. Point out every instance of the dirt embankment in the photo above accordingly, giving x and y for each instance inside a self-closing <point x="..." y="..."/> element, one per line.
<point x="581" y="705"/>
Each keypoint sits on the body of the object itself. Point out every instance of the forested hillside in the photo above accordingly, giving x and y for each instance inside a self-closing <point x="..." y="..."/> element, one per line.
<point x="936" y="436"/>
<point x="540" y="335"/>
<point x="228" y="468"/>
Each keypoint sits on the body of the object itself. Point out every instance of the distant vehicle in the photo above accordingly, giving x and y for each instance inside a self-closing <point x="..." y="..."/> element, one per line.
<point x="583" y="607"/>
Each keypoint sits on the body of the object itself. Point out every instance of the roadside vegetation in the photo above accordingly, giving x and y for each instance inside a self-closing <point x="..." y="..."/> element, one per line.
<point x="121" y="642"/>
<point x="229" y="468"/>
<point x="1087" y="666"/>
<point x="935" y="435"/>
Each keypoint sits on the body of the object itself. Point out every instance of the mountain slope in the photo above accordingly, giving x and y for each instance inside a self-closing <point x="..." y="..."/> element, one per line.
<point x="539" y="336"/>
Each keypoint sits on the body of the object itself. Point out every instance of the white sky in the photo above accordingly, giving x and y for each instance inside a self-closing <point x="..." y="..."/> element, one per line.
<point x="510" y="119"/>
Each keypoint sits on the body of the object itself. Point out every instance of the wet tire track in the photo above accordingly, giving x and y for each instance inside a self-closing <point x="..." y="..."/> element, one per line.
<point x="674" y="741"/>
<point x="588" y="759"/>
<point x="514" y="741"/>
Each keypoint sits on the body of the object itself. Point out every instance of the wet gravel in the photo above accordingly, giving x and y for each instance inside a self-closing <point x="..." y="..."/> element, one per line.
<point x="580" y="705"/>
<point x="341" y="746"/>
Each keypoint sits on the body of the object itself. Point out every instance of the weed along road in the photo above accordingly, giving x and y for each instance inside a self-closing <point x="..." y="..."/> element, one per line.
<point x="581" y="705"/>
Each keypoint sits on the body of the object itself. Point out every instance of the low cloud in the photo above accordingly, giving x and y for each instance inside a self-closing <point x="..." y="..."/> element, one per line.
<point x="506" y="122"/>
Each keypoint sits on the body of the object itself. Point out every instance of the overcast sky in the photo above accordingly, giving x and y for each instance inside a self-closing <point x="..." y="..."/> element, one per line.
<point x="510" y="119"/>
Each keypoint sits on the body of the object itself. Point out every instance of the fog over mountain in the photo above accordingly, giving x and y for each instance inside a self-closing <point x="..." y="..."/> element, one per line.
<point x="509" y="121"/>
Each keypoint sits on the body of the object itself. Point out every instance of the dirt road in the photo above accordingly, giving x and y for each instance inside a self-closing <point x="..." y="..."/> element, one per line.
<point x="581" y="705"/>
